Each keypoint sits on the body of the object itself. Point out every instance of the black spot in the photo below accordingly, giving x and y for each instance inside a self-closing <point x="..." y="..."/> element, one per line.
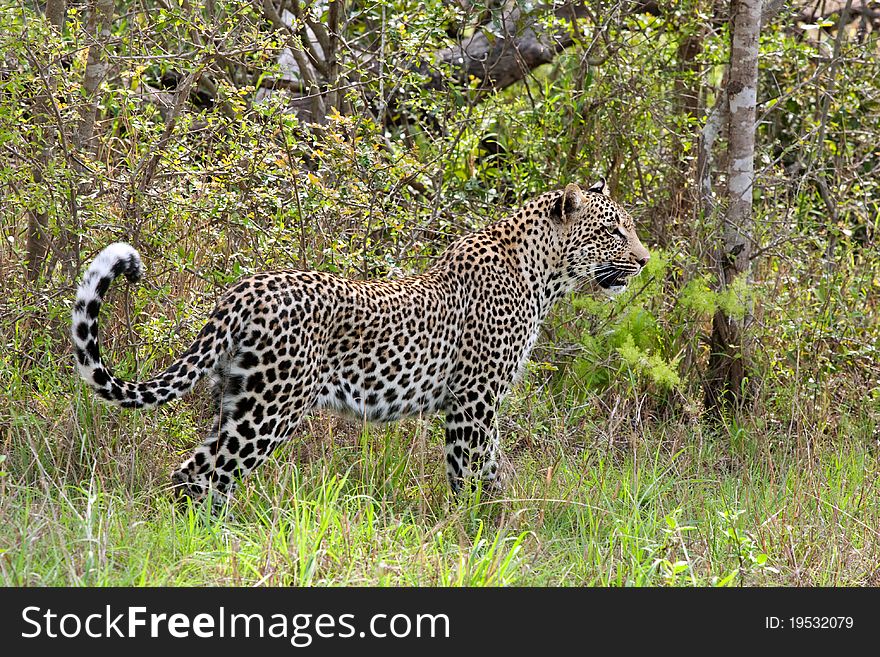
<point x="243" y="407"/>
<point x="119" y="267"/>
<point x="255" y="382"/>
<point x="246" y="431"/>
<point x="99" y="376"/>
<point x="233" y="385"/>
<point x="132" y="271"/>
<point x="82" y="331"/>
<point x="93" y="308"/>
<point x="104" y="285"/>
<point x="248" y="360"/>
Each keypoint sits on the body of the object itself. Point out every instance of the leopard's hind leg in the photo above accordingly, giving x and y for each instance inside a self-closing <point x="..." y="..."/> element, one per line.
<point x="262" y="398"/>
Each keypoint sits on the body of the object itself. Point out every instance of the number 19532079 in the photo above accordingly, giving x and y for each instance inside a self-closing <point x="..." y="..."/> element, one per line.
<point x="809" y="623"/>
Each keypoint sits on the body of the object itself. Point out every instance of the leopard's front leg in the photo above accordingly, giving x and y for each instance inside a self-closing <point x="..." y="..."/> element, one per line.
<point x="472" y="440"/>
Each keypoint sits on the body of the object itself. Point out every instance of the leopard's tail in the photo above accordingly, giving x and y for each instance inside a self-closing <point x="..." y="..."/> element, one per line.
<point x="117" y="260"/>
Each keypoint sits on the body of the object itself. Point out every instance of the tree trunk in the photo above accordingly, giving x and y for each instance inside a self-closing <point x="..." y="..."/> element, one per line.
<point x="38" y="220"/>
<point x="56" y="12"/>
<point x="727" y="368"/>
<point x="686" y="96"/>
<point x="98" y="29"/>
<point x="333" y="94"/>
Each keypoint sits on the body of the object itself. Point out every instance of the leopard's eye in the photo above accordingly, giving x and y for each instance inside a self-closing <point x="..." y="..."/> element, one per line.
<point x="616" y="231"/>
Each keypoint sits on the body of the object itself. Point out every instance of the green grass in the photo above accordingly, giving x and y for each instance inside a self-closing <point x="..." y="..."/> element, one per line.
<point x="84" y="501"/>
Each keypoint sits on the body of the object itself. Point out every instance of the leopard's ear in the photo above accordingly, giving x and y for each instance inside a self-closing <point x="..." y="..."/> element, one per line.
<point x="567" y="203"/>
<point x="599" y="187"/>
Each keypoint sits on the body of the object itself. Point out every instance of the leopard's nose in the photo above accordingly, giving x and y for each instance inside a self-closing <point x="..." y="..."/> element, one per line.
<point x="643" y="261"/>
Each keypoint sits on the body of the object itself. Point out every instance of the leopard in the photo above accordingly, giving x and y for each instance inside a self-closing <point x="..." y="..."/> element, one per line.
<point x="453" y="339"/>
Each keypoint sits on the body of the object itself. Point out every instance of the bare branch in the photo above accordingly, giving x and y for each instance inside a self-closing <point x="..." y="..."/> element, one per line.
<point x="716" y="121"/>
<point x="295" y="45"/>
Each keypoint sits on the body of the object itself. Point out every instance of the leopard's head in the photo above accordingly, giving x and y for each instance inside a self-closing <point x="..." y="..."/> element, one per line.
<point x="599" y="241"/>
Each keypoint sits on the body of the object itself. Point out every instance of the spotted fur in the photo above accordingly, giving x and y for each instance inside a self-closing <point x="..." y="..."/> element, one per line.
<point x="453" y="339"/>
